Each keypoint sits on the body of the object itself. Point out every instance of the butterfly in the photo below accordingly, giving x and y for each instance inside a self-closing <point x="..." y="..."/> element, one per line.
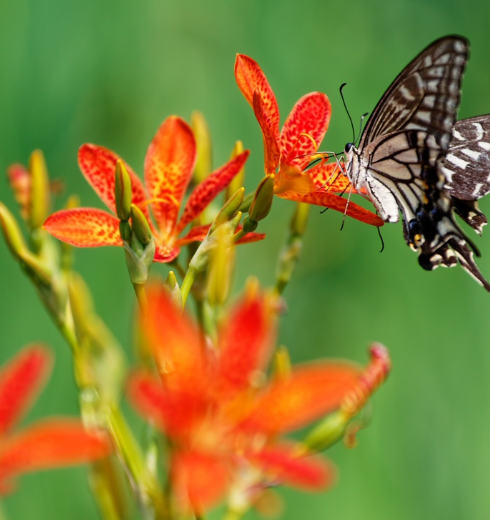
<point x="410" y="158"/>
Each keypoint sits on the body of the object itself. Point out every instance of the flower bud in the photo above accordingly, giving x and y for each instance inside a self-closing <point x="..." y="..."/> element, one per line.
<point x="141" y="228"/>
<point x="237" y="181"/>
<point x="204" y="149"/>
<point x="229" y="210"/>
<point x="123" y="192"/>
<point x="40" y="199"/>
<point x="262" y="202"/>
<point x="20" y="182"/>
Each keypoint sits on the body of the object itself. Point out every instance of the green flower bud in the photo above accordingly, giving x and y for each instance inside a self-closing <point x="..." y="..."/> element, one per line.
<point x="123" y="192"/>
<point x="262" y="202"/>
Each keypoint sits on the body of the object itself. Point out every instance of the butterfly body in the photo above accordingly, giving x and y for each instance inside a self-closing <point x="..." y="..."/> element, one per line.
<point x="401" y="158"/>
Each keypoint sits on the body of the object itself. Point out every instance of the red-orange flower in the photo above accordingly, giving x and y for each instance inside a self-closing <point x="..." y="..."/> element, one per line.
<point x="48" y="443"/>
<point x="169" y="165"/>
<point x="222" y="415"/>
<point x="287" y="153"/>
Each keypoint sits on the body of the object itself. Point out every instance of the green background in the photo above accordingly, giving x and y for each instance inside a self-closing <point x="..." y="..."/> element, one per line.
<point x="109" y="72"/>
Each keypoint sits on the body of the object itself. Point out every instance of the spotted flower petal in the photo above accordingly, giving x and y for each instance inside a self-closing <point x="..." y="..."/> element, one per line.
<point x="98" y="165"/>
<point x="208" y="189"/>
<point x="305" y="128"/>
<point x="84" y="227"/>
<point x="310" y="392"/>
<point x="283" y="464"/>
<point x="20" y="382"/>
<point x="169" y="165"/>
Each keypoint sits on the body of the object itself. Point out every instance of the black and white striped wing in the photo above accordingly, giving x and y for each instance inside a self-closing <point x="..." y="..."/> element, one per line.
<point x="403" y="147"/>
<point x="467" y="168"/>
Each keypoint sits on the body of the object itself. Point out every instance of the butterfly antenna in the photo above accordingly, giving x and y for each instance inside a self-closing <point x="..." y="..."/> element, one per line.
<point x="347" y="110"/>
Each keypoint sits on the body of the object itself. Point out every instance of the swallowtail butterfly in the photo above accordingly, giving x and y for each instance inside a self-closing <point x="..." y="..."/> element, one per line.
<point x="411" y="156"/>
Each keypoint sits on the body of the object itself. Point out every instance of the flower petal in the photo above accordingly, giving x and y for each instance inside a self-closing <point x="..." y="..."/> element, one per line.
<point x="175" y="342"/>
<point x="20" y="382"/>
<point x="208" y="189"/>
<point x="330" y="200"/>
<point x="98" y="166"/>
<point x="283" y="464"/>
<point x="246" y="339"/>
<point x="173" y="412"/>
<point x="196" y="234"/>
<point x="259" y="94"/>
<point x="199" y="479"/>
<point x="308" y="393"/>
<point x="49" y="444"/>
<point x="169" y="164"/>
<point x="330" y="177"/>
<point x="84" y="227"/>
<point x="249" y="238"/>
<point x="290" y="178"/>
<point x="311" y="116"/>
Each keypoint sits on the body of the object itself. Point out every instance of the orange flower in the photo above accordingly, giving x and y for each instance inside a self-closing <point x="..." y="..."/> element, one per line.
<point x="288" y="153"/>
<point x="48" y="443"/>
<point x="169" y="165"/>
<point x="216" y="406"/>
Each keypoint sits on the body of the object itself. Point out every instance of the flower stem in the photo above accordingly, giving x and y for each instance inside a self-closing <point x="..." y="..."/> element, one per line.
<point x="190" y="276"/>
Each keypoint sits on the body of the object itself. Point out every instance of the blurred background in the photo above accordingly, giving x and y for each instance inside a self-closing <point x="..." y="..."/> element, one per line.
<point x="109" y="72"/>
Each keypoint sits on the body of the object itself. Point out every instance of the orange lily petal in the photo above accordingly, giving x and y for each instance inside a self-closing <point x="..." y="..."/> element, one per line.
<point x="84" y="227"/>
<point x="269" y="135"/>
<point x="196" y="234"/>
<point x="310" y="392"/>
<point x="20" y="182"/>
<point x="283" y="464"/>
<point x="199" y="479"/>
<point x="20" y="382"/>
<point x="246" y="341"/>
<point x="175" y="342"/>
<point x="98" y="165"/>
<point x="249" y="238"/>
<point x="169" y="165"/>
<point x="173" y="412"/>
<point x="259" y="94"/>
<point x="310" y="115"/>
<point x="207" y="190"/>
<point x="48" y="444"/>
<point x="291" y="179"/>
<point x="330" y="200"/>
<point x="329" y="177"/>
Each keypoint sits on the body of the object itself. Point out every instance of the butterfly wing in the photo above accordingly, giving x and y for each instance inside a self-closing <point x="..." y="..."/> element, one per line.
<point x="467" y="168"/>
<point x="402" y="149"/>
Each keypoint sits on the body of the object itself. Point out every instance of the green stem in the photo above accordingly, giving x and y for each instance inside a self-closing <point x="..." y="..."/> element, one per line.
<point x="190" y="276"/>
<point x="139" y="289"/>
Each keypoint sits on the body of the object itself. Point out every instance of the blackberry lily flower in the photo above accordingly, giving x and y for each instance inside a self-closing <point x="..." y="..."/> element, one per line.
<point x="48" y="443"/>
<point x="288" y="153"/>
<point x="169" y="165"/>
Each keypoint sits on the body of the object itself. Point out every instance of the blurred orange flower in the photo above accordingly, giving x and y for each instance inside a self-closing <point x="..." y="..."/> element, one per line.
<point x="288" y="153"/>
<point x="169" y="165"/>
<point x="48" y="443"/>
<point x="215" y="404"/>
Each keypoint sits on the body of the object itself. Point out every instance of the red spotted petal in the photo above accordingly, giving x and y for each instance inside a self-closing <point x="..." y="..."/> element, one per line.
<point x="20" y="381"/>
<point x="98" y="165"/>
<point x="249" y="238"/>
<point x="282" y="464"/>
<point x="50" y="444"/>
<point x="310" y="392"/>
<point x="311" y="116"/>
<point x="176" y="343"/>
<point x="84" y="227"/>
<point x="269" y="135"/>
<point x="169" y="165"/>
<point x="259" y="94"/>
<point x="329" y="177"/>
<point x="207" y="190"/>
<point x="196" y="234"/>
<point x="330" y="200"/>
<point x="173" y="412"/>
<point x="199" y="479"/>
<point x="246" y="342"/>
